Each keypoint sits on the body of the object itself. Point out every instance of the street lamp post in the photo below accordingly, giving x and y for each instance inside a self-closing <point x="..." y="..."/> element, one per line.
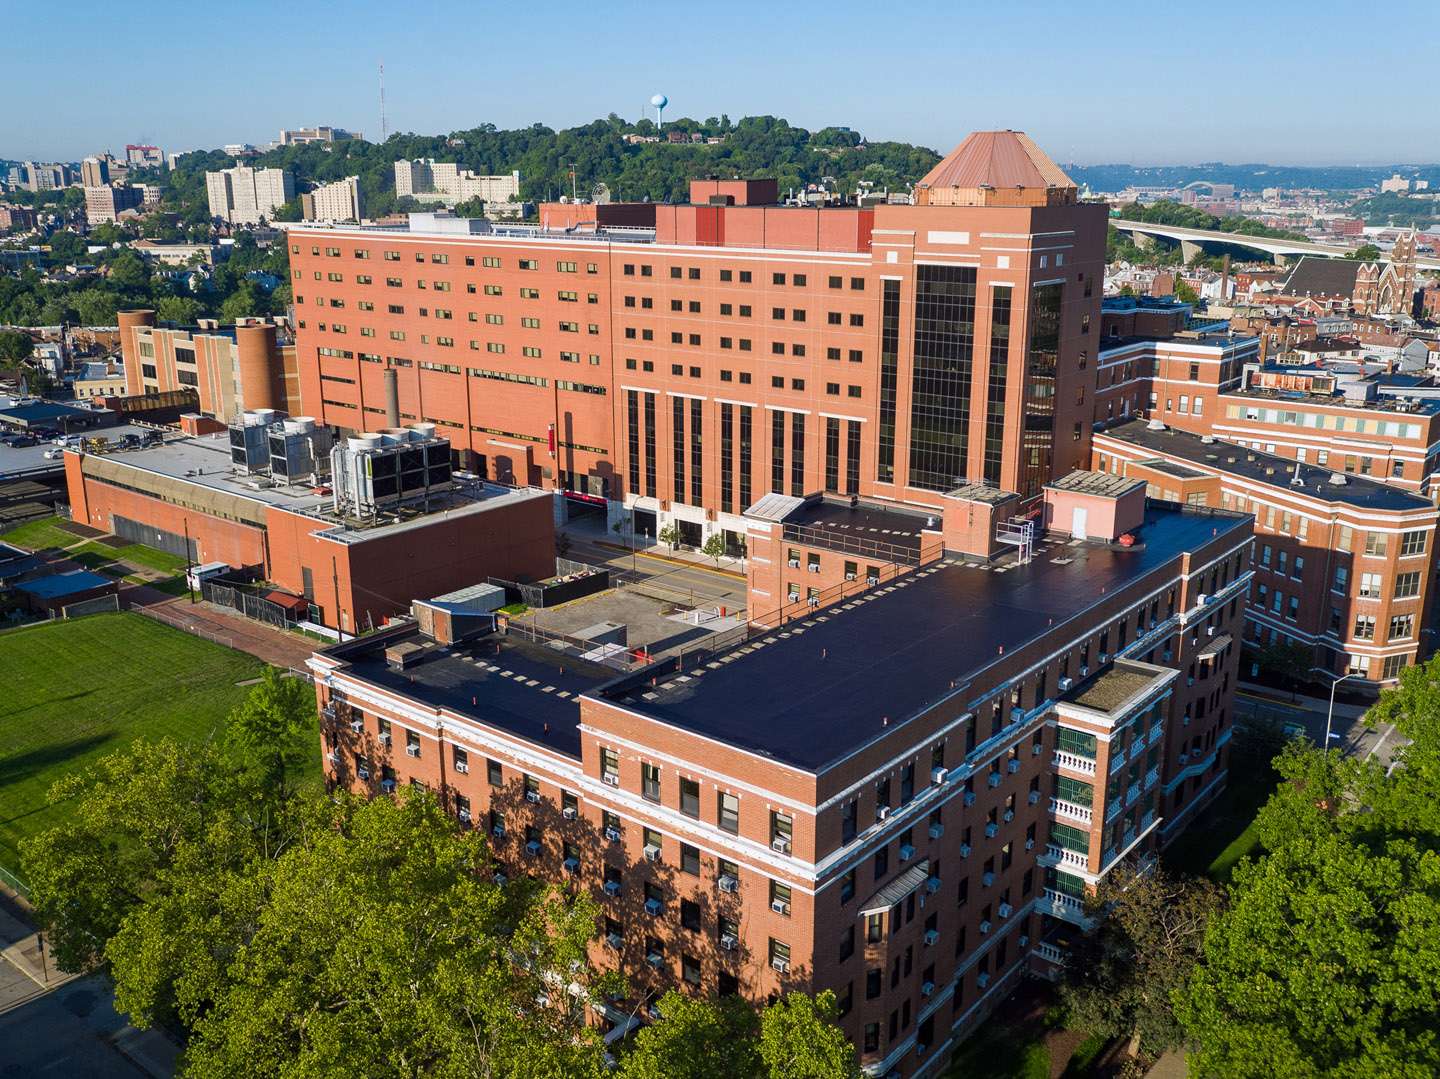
<point x="1330" y="715"/>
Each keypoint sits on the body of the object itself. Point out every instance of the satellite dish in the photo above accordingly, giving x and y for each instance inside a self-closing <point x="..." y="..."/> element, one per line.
<point x="600" y="194"/>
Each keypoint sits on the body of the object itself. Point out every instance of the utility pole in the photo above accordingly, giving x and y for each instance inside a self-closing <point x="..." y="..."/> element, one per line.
<point x="188" y="577"/>
<point x="574" y="197"/>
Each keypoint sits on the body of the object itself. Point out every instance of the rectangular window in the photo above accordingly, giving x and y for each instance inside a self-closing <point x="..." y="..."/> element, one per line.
<point x="689" y="797"/>
<point x="650" y="781"/>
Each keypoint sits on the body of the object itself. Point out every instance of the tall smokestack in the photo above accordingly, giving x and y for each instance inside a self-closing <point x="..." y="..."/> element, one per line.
<point x="1225" y="280"/>
<point x="392" y="399"/>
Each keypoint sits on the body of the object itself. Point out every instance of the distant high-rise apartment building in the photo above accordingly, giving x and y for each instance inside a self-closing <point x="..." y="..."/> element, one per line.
<point x="145" y="157"/>
<point x="317" y="134"/>
<point x="431" y="181"/>
<point x="42" y="177"/>
<point x="106" y="203"/>
<point x="339" y="201"/>
<point x="94" y="172"/>
<point x="243" y="195"/>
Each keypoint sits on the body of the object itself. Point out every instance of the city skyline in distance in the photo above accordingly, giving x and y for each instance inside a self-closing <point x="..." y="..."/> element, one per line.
<point x="1142" y="85"/>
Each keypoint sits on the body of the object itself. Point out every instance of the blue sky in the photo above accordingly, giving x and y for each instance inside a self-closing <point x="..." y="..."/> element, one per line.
<point x="1152" y="83"/>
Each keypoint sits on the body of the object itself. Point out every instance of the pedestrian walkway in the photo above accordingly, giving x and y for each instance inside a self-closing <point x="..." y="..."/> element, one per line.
<point x="1309" y="704"/>
<point x="275" y="646"/>
<point x="593" y="530"/>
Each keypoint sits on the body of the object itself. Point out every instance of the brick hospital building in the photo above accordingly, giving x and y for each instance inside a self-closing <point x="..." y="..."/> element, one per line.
<point x="679" y="362"/>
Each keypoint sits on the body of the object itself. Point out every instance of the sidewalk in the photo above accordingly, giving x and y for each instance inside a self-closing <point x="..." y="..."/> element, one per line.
<point x="274" y="646"/>
<point x="77" y="1029"/>
<point x="593" y="530"/>
<point x="1309" y="704"/>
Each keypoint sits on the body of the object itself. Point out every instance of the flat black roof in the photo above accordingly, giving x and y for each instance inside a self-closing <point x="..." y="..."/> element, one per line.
<point x="504" y="682"/>
<point x="1253" y="465"/>
<point x="833" y="523"/>
<point x="814" y="691"/>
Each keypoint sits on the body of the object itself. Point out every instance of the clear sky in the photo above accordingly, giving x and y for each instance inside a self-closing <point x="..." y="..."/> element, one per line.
<point x="1110" y="82"/>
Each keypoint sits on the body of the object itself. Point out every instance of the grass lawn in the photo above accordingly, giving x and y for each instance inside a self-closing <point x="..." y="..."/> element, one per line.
<point x="135" y="552"/>
<point x="999" y="1050"/>
<point x="78" y="690"/>
<point x="40" y="534"/>
<point x="1224" y="834"/>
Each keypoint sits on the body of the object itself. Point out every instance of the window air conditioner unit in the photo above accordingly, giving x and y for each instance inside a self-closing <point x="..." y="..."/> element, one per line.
<point x="906" y="852"/>
<point x="1210" y="631"/>
<point x="655" y="959"/>
<point x="812" y="601"/>
<point x="462" y="768"/>
<point x="882" y="812"/>
<point x="653" y="1011"/>
<point x="571" y="865"/>
<point x="969" y="798"/>
<point x="464" y="815"/>
<point x="363" y="773"/>
<point x="988" y="879"/>
<point x="653" y="907"/>
<point x="532" y="796"/>
<point x="995" y="778"/>
<point x="532" y="848"/>
<point x="992" y="830"/>
<point x="1034" y="797"/>
<point x="1012" y="766"/>
<point x="613" y="941"/>
<point x="652" y="852"/>
<point x="964" y="850"/>
<point x="1202" y="599"/>
<point x="920" y="1047"/>
<point x="1005" y="910"/>
<point x="1009" y="815"/>
<point x="388" y="786"/>
<point x="612" y="889"/>
<point x="357" y="725"/>
<point x="498" y="831"/>
<point x="932" y="937"/>
<point x="794" y="563"/>
<point x="501" y="879"/>
<point x="984" y="979"/>
<point x="782" y="965"/>
<point x="1189" y="681"/>
<point x="939" y="775"/>
<point x="1084" y="671"/>
<point x="612" y="835"/>
<point x="569" y="812"/>
<point x="985" y="927"/>
<point x="1168" y="654"/>
<point x="333" y="758"/>
<point x="729" y="884"/>
<point x="728" y="942"/>
<point x="926" y="989"/>
<point x="610" y="778"/>
<point x="850" y="576"/>
<point x="1184" y="721"/>
<point x="1024" y="940"/>
<point x="779" y="906"/>
<point x="932" y="885"/>
<point x="412" y="751"/>
<point x="1104" y="657"/>
<point x="872" y="580"/>
<point x="1066" y="683"/>
<point x="781" y="844"/>
<point x="813" y="567"/>
<point x="383" y="739"/>
<point x="1029" y="844"/>
<point x="936" y="831"/>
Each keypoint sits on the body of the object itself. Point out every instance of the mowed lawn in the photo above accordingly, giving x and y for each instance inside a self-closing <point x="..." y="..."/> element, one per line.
<point x="74" y="691"/>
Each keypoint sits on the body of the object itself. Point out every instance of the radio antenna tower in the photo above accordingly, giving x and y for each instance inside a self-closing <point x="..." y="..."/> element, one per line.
<point x="384" y="127"/>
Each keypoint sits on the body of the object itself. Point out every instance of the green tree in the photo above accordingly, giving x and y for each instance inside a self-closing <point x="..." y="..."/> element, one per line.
<point x="97" y="307"/>
<point x="714" y="547"/>
<point x="1185" y="294"/>
<point x="377" y="945"/>
<point x="274" y="731"/>
<point x="1365" y="253"/>
<point x="1119" y="977"/>
<point x="1413" y="705"/>
<point x="697" y="1039"/>
<point x="15" y="347"/>
<point x="138" y="817"/>
<point x="289" y="211"/>
<point x="66" y="247"/>
<point x="179" y="309"/>
<point x="670" y="536"/>
<point x="800" y="1039"/>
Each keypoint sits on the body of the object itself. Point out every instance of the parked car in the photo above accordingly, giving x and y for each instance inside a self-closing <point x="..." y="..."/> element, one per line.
<point x="24" y="442"/>
<point x="55" y="454"/>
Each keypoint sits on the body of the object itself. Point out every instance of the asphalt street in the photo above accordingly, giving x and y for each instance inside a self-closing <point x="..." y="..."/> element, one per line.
<point x="1349" y="732"/>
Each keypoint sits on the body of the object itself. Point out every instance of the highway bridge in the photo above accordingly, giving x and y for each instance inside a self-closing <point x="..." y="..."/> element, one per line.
<point x="1192" y="240"/>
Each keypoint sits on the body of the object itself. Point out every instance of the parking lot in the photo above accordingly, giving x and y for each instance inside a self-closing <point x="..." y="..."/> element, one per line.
<point x="22" y="459"/>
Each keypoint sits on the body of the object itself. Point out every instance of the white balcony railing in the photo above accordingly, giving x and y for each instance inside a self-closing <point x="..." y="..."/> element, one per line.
<point x="1075" y="762"/>
<point x="1064" y="906"/>
<point x="1050" y="953"/>
<point x="1072" y="859"/>
<point x="1152" y="775"/>
<point x="1062" y="808"/>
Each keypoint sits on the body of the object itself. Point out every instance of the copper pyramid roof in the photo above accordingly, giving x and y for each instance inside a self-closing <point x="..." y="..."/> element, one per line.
<point x="999" y="159"/>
